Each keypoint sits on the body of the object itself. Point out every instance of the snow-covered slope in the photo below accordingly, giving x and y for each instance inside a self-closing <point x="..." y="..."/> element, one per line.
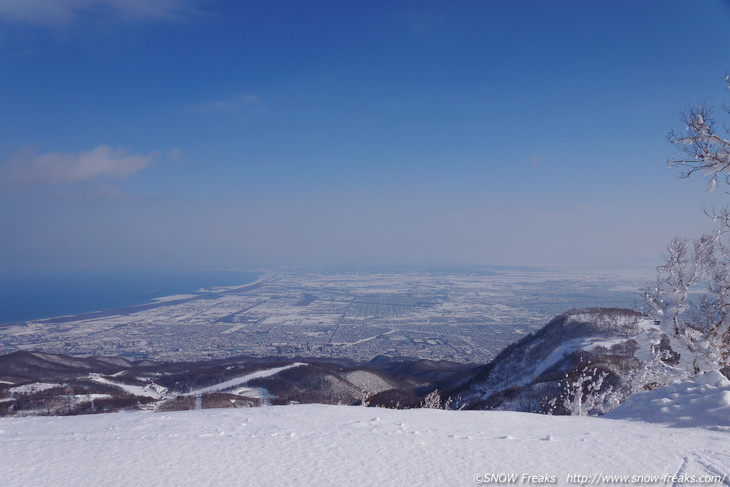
<point x="320" y="445"/>
<point x="238" y="381"/>
<point x="592" y="351"/>
<point x="704" y="401"/>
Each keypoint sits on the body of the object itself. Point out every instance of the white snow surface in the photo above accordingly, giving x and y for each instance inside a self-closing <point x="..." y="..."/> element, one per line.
<point x="34" y="387"/>
<point x="152" y="390"/>
<point x="368" y="381"/>
<point x="259" y="374"/>
<point x="320" y="445"/>
<point x="80" y="398"/>
<point x="556" y="355"/>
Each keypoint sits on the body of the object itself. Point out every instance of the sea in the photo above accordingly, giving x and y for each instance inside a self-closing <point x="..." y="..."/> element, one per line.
<point x="33" y="296"/>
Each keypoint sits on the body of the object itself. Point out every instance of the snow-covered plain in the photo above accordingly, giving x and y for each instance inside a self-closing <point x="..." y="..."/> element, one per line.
<point x="466" y="317"/>
<point x="319" y="445"/>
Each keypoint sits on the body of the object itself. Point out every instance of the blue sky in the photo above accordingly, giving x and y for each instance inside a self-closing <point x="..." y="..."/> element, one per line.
<point x="216" y="134"/>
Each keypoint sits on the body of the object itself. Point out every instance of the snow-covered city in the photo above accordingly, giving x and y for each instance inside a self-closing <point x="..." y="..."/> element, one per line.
<point x="466" y="316"/>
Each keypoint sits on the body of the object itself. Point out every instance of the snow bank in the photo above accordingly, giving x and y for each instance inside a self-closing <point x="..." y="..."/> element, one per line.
<point x="318" y="445"/>
<point x="702" y="402"/>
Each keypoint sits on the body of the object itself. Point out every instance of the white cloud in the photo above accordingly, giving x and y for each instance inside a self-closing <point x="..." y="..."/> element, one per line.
<point x="64" y="11"/>
<point x="102" y="162"/>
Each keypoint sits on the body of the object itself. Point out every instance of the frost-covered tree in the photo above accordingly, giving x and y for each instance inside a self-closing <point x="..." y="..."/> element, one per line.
<point x="432" y="400"/>
<point x="691" y="296"/>
<point x="703" y="146"/>
<point x="587" y="394"/>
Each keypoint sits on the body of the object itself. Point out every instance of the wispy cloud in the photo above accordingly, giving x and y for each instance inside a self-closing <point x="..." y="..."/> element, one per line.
<point x="55" y="168"/>
<point x="240" y="102"/>
<point x="65" y="11"/>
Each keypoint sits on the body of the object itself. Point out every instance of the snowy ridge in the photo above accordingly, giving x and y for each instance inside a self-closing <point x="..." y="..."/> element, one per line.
<point x="607" y="322"/>
<point x="544" y="371"/>
<point x="24" y="366"/>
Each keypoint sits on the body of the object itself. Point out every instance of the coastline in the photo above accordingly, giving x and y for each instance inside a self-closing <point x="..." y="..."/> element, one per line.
<point x="144" y="301"/>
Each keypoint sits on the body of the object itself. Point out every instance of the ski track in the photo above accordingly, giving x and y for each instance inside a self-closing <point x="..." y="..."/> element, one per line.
<point x="713" y="464"/>
<point x="149" y="390"/>
<point x="260" y="374"/>
<point x="682" y="470"/>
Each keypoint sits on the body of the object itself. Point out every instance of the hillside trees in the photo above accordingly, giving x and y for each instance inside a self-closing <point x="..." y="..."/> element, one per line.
<point x="691" y="296"/>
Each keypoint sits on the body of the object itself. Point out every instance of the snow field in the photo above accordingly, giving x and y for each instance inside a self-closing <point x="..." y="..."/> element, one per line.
<point x="320" y="445"/>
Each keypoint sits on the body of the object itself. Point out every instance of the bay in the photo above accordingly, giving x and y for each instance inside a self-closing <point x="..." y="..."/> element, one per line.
<point x="34" y="296"/>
